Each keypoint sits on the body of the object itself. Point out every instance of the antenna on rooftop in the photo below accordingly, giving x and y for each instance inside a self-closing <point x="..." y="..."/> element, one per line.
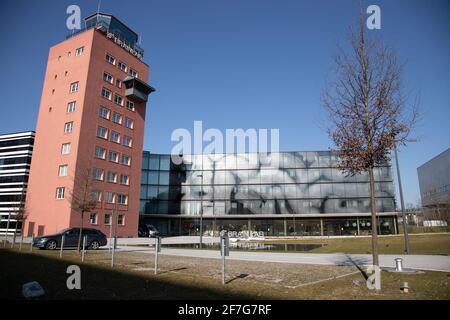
<point x="98" y="10"/>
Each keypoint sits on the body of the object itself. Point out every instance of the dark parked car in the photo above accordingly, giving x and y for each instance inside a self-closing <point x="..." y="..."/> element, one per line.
<point x="147" y="230"/>
<point x="152" y="231"/>
<point x="142" y="231"/>
<point x="94" y="240"/>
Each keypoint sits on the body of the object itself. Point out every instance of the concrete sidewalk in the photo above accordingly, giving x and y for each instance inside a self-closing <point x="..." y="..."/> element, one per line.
<point x="137" y="241"/>
<point x="418" y="262"/>
<point x="145" y="245"/>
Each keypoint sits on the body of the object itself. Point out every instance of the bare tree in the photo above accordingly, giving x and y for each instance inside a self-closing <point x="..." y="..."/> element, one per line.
<point x="82" y="197"/>
<point x="439" y="211"/>
<point x="21" y="214"/>
<point x="368" y="114"/>
<point x="16" y="214"/>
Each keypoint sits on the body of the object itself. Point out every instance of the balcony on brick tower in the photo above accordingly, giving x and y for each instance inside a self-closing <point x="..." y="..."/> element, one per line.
<point x="136" y="89"/>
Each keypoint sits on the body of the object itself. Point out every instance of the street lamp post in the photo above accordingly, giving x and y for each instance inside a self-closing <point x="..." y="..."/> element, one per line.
<point x="201" y="211"/>
<point x="111" y="219"/>
<point x="117" y="214"/>
<point x="402" y="203"/>
<point x="111" y="222"/>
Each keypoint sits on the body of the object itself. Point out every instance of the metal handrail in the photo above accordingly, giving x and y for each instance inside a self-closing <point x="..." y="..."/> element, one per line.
<point x="102" y="24"/>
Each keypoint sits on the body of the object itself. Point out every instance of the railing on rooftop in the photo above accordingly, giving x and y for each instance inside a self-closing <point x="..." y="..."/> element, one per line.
<point x="105" y="28"/>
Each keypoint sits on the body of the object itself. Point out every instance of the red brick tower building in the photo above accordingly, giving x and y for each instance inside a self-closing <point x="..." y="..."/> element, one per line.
<point x="90" y="130"/>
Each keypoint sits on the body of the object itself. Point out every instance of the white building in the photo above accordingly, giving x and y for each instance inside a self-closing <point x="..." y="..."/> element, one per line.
<point x="15" y="158"/>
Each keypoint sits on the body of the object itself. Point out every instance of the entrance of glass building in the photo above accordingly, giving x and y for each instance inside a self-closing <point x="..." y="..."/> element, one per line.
<point x="271" y="227"/>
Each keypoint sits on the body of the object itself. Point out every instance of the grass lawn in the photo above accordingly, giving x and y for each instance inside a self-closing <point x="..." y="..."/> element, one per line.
<point x="191" y="278"/>
<point x="416" y="229"/>
<point x="433" y="244"/>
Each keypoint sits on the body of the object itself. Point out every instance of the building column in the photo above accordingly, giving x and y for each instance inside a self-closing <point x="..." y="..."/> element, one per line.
<point x="321" y="226"/>
<point x="357" y="224"/>
<point x="395" y="225"/>
<point x="295" y="229"/>
<point x="285" y="227"/>
<point x="379" y="225"/>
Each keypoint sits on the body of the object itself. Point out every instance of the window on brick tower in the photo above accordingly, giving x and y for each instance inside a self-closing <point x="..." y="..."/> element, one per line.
<point x="122" y="66"/>
<point x="130" y="105"/>
<point x="124" y="179"/>
<point x="109" y="197"/>
<point x="122" y="199"/>
<point x="125" y="159"/>
<point x="115" y="137"/>
<point x="107" y="219"/>
<point x="60" y="191"/>
<point x="133" y="73"/>
<point x="107" y="77"/>
<point x="93" y="218"/>
<point x="127" y="141"/>
<point x="129" y="123"/>
<point x="112" y="177"/>
<point x="97" y="195"/>
<point x="97" y="174"/>
<point x="110" y="59"/>
<point x="100" y="153"/>
<point x="62" y="170"/>
<point x="71" y="107"/>
<point x="116" y="118"/>
<point x="65" y="148"/>
<point x="68" y="127"/>
<point x="74" y="87"/>
<point x="102" y="132"/>
<point x="106" y="94"/>
<point x="118" y="99"/>
<point x="103" y="112"/>
<point x="113" y="156"/>
<point x="79" y="51"/>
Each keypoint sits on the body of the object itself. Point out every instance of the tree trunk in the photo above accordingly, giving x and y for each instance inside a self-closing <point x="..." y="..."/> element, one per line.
<point x="14" y="235"/>
<point x="7" y="229"/>
<point x="373" y="208"/>
<point x="22" y="225"/>
<point x="81" y="232"/>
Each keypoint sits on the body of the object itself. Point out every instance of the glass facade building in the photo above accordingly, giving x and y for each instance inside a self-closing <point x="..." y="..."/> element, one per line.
<point x="434" y="181"/>
<point x="279" y="194"/>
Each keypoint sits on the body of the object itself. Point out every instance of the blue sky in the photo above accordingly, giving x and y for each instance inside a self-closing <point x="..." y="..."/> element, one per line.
<point x="240" y="64"/>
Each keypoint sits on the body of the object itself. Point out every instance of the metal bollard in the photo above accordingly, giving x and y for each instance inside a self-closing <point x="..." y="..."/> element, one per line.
<point x="224" y="252"/>
<point x="157" y="250"/>
<point x="84" y="249"/>
<point x="398" y="264"/>
<point x="223" y="261"/>
<point x="62" y="246"/>
<point x="405" y="287"/>
<point x="113" y="250"/>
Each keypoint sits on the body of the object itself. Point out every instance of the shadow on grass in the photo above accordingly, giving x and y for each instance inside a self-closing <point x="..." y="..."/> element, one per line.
<point x="17" y="268"/>
<point x="240" y="276"/>
<point x="357" y="263"/>
<point x="172" y="270"/>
